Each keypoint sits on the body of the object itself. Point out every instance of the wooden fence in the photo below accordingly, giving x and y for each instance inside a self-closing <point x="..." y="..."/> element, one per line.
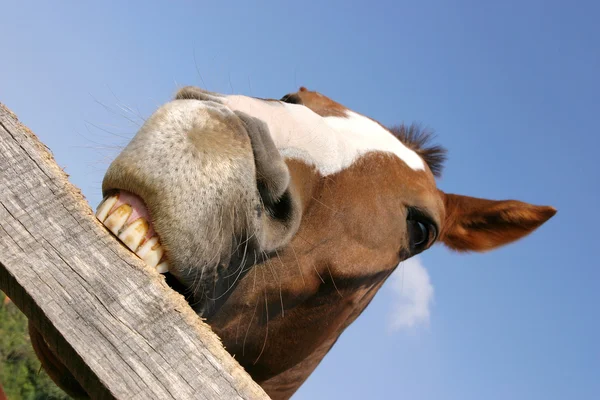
<point x="113" y="322"/>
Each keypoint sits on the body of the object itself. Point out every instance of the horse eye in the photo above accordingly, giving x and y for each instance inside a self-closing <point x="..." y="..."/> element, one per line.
<point x="421" y="231"/>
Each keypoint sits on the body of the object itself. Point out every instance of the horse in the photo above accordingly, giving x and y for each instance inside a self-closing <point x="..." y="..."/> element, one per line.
<point x="279" y="220"/>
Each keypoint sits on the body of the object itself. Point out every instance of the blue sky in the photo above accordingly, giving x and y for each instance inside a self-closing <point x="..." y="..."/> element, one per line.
<point x="511" y="88"/>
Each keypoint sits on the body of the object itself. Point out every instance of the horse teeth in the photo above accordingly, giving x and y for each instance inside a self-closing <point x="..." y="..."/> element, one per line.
<point x="153" y="256"/>
<point x="115" y="221"/>
<point x="163" y="267"/>
<point x="147" y="246"/>
<point x="134" y="233"/>
<point x="152" y="252"/>
<point x="104" y="207"/>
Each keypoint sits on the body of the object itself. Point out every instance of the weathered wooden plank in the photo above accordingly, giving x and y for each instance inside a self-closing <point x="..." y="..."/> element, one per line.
<point x="114" y="323"/>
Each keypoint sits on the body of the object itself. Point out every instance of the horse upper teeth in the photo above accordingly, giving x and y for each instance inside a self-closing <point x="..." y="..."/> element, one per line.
<point x="147" y="246"/>
<point x="153" y="257"/>
<point x="151" y="252"/>
<point x="105" y="207"/>
<point x="118" y="218"/>
<point x="134" y="233"/>
<point x="163" y="267"/>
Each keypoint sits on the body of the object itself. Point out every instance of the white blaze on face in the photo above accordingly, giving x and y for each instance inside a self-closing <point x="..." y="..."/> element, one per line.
<point x="331" y="144"/>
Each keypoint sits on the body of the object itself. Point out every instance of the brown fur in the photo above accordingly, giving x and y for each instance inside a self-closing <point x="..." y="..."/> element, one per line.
<point x="329" y="272"/>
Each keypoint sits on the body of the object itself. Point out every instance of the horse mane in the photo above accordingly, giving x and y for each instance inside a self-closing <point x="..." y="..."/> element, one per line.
<point x="419" y="140"/>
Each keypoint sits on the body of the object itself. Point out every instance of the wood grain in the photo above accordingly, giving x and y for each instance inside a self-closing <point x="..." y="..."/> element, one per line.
<point x="113" y="322"/>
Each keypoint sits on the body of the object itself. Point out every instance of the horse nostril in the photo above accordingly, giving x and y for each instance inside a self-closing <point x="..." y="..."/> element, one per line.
<point x="283" y="208"/>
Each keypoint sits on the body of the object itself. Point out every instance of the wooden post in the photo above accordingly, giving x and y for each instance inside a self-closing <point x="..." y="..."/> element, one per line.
<point x="113" y="322"/>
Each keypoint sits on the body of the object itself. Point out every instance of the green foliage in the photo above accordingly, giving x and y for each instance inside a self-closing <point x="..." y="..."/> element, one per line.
<point x="20" y="372"/>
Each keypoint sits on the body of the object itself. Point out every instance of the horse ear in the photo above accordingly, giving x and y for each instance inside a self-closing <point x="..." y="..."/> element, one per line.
<point x="474" y="224"/>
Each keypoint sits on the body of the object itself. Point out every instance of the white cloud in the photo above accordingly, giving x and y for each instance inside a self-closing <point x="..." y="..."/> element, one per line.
<point x="413" y="295"/>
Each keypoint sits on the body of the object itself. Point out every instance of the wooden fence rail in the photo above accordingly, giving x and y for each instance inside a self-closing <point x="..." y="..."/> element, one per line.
<point x="114" y="323"/>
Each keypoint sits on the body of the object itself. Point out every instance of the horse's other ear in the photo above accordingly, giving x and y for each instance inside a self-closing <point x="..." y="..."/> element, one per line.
<point x="474" y="224"/>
